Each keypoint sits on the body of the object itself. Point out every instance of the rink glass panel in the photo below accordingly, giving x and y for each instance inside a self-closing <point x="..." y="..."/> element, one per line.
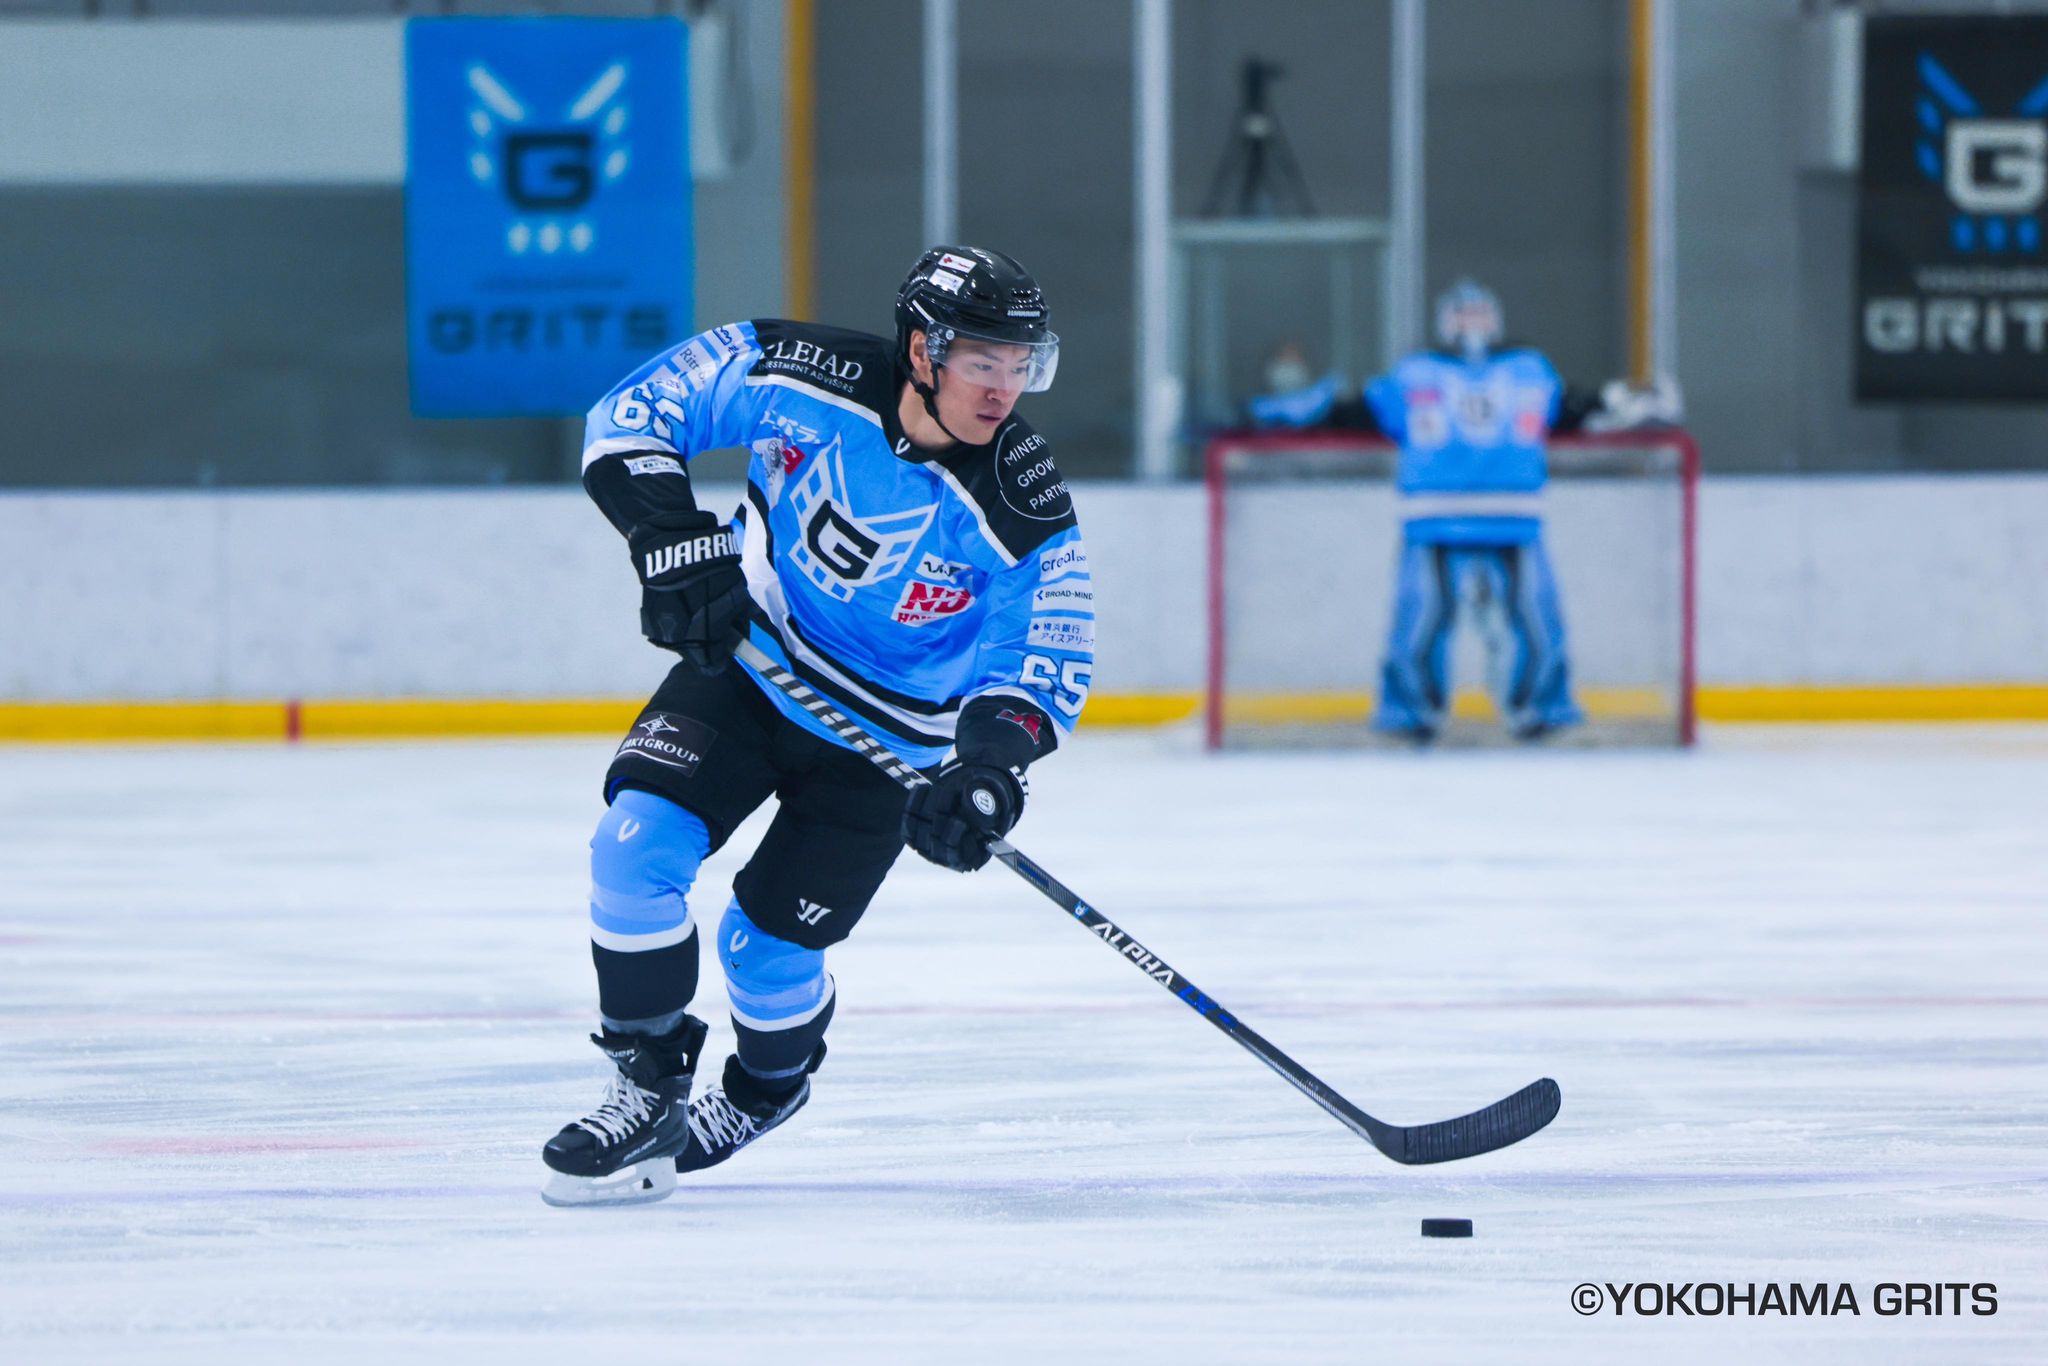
<point x="1303" y="542"/>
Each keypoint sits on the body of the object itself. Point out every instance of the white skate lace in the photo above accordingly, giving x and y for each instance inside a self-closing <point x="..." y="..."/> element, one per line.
<point x="625" y="1105"/>
<point x="717" y="1122"/>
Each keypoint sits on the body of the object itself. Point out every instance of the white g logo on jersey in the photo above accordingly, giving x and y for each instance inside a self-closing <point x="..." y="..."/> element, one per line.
<point x="838" y="549"/>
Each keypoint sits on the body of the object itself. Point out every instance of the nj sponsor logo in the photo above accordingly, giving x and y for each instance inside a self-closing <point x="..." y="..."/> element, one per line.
<point x="923" y="603"/>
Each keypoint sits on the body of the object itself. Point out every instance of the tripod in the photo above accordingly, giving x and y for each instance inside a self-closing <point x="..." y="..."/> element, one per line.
<point x="1258" y="161"/>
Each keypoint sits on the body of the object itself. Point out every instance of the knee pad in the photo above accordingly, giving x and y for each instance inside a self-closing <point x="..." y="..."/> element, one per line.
<point x="643" y="860"/>
<point x="774" y="984"/>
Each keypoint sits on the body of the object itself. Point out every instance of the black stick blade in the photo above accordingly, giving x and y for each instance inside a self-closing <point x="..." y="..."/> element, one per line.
<point x="1499" y="1124"/>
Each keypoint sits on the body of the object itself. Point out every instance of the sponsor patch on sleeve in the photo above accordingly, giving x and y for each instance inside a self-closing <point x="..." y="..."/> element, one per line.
<point x="1063" y="561"/>
<point x="698" y="359"/>
<point x="1063" y="597"/>
<point x="654" y="464"/>
<point x="1062" y="633"/>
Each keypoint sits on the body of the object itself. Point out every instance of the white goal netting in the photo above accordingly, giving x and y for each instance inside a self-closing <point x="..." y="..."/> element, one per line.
<point x="1303" y="540"/>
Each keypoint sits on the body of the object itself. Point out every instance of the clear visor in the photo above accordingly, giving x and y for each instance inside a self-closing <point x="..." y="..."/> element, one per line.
<point x="1012" y="367"/>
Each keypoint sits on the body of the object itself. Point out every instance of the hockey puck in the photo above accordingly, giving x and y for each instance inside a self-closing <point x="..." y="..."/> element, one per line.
<point x="1447" y="1228"/>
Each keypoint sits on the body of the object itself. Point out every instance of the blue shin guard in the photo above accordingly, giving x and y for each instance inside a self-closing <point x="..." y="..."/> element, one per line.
<point x="782" y="998"/>
<point x="643" y="861"/>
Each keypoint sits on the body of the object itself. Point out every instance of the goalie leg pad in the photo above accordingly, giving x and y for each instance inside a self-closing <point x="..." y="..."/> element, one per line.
<point x="782" y="997"/>
<point x="1413" y="686"/>
<point x="643" y="862"/>
<point x="1536" y="691"/>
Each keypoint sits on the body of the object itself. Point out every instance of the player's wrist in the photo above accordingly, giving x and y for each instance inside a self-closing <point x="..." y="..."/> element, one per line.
<point x="671" y="547"/>
<point x="1006" y="732"/>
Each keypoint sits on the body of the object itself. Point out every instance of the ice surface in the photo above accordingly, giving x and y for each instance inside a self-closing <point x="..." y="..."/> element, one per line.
<point x="282" y="1031"/>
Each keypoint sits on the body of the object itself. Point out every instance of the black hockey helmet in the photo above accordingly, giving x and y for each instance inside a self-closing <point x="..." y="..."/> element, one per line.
<point x="955" y="293"/>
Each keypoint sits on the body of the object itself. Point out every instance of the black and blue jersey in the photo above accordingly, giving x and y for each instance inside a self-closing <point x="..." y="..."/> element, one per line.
<point x="900" y="584"/>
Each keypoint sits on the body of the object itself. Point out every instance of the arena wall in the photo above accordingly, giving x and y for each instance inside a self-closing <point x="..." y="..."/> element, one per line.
<point x="1818" y="596"/>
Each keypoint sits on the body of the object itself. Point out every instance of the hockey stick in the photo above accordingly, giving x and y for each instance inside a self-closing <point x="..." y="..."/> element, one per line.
<point x="1505" y="1121"/>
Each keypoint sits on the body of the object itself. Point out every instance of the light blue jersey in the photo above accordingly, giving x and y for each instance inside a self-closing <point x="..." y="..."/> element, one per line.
<point x="1471" y="435"/>
<point x="899" y="586"/>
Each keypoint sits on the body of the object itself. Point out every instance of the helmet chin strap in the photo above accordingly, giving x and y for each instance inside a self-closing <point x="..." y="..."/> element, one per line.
<point x="930" y="394"/>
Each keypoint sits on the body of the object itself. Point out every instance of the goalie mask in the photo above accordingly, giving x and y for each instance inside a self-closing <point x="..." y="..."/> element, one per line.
<point x="958" y="295"/>
<point x="1468" y="319"/>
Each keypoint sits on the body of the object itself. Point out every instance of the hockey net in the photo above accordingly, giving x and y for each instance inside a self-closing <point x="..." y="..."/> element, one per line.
<point x="1303" y="541"/>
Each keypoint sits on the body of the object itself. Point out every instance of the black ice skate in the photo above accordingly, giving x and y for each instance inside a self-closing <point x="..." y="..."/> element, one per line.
<point x="726" y="1119"/>
<point x="618" y="1154"/>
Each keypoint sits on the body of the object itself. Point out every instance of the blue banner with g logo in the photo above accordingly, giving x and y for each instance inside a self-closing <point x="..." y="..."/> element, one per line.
<point x="547" y="209"/>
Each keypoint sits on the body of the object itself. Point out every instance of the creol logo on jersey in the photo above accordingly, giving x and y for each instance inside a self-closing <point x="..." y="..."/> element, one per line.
<point x="1068" y="559"/>
<point x="1994" y="170"/>
<point x="841" y="551"/>
<point x="548" y="170"/>
<point x="923" y="603"/>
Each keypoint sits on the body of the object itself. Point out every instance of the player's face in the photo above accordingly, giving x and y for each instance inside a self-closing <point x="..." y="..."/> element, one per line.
<point x="978" y="386"/>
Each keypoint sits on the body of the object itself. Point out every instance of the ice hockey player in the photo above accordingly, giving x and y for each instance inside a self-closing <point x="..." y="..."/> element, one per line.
<point x="1471" y="421"/>
<point x="908" y="549"/>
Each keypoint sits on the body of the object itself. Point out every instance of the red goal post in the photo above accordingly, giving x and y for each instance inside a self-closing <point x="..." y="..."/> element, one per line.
<point x="1316" y="510"/>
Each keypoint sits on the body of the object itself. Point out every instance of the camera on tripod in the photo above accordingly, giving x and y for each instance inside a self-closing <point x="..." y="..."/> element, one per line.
<point x="1258" y="176"/>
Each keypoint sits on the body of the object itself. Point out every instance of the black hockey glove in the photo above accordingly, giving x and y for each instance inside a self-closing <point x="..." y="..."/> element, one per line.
<point x="979" y="794"/>
<point x="693" y="597"/>
<point x="951" y="821"/>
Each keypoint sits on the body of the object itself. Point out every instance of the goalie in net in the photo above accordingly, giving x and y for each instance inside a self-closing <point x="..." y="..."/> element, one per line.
<point x="1471" y="423"/>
